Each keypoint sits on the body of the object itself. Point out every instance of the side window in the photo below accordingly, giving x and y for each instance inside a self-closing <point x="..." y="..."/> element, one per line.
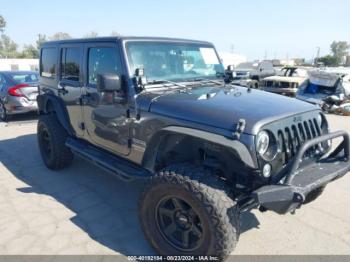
<point x="103" y="60"/>
<point x="48" y="62"/>
<point x="268" y="66"/>
<point x="70" y="64"/>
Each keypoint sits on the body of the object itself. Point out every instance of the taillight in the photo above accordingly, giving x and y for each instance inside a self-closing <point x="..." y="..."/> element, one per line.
<point x="15" y="90"/>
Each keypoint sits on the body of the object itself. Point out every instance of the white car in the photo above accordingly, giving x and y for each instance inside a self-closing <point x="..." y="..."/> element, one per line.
<point x="250" y="73"/>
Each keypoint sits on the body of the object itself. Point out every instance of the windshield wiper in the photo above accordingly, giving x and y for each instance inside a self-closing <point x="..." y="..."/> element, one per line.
<point x="206" y="80"/>
<point x="163" y="81"/>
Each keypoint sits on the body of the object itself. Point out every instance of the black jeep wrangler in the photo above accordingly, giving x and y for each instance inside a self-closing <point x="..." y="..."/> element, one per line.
<point x="163" y="110"/>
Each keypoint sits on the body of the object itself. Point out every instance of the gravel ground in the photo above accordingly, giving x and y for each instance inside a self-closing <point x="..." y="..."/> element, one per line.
<point x="83" y="210"/>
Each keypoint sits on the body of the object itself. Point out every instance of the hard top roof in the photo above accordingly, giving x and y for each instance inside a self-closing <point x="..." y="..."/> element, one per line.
<point x="124" y="38"/>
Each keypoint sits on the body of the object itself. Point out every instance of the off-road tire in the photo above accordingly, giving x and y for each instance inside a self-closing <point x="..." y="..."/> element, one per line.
<point x="314" y="194"/>
<point x="51" y="133"/>
<point x="207" y="195"/>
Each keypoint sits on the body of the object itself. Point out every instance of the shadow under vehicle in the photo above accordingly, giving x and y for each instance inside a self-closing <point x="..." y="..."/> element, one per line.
<point x="163" y="110"/>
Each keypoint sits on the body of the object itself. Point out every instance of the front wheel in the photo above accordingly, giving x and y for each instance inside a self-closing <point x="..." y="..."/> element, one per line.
<point x="185" y="210"/>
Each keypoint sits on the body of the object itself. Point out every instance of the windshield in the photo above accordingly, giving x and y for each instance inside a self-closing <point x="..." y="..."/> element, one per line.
<point x="248" y="65"/>
<point x="24" y="77"/>
<point x="174" y="61"/>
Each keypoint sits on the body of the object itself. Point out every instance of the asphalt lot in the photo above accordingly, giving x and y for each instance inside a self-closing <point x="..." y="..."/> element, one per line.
<point x="83" y="210"/>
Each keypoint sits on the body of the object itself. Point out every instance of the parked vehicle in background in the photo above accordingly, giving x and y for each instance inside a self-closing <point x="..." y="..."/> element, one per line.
<point x="250" y="73"/>
<point x="161" y="110"/>
<point x="231" y="59"/>
<point x="18" y="91"/>
<point x="328" y="89"/>
<point x="286" y="82"/>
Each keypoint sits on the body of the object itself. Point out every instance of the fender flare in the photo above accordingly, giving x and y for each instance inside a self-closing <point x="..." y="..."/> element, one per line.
<point x="149" y="157"/>
<point x="58" y="107"/>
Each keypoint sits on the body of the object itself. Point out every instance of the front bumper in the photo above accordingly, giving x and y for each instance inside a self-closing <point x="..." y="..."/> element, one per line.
<point x="301" y="180"/>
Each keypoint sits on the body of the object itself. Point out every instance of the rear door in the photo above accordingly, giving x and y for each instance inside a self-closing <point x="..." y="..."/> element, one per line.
<point x="70" y="83"/>
<point x="105" y="113"/>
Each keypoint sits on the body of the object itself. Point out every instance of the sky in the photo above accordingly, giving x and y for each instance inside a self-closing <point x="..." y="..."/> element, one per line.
<point x="256" y="29"/>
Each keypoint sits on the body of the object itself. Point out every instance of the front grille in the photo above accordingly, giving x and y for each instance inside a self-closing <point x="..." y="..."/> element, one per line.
<point x="292" y="137"/>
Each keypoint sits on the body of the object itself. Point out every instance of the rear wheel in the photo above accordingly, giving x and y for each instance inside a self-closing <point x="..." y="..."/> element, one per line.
<point x="185" y="210"/>
<point x="51" y="139"/>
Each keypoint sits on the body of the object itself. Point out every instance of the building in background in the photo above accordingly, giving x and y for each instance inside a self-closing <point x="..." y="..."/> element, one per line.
<point x="347" y="60"/>
<point x="19" y="64"/>
<point x="232" y="58"/>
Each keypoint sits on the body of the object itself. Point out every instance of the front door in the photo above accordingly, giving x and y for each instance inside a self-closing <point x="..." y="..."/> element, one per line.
<point x="70" y="83"/>
<point x="104" y="113"/>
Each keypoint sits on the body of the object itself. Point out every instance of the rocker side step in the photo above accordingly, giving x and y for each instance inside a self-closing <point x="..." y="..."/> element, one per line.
<point x="119" y="167"/>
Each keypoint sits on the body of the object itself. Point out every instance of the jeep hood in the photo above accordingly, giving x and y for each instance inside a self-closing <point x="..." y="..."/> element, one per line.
<point x="223" y="107"/>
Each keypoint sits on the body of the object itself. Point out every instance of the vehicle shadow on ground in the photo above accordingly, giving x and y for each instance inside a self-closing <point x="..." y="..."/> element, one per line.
<point x="105" y="207"/>
<point x="28" y="117"/>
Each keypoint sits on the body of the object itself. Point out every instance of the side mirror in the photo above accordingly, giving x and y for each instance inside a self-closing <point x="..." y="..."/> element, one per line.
<point x="230" y="74"/>
<point x="261" y="69"/>
<point x="230" y="68"/>
<point x="108" y="82"/>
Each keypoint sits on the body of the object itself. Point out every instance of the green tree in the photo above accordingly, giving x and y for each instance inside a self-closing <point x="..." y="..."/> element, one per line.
<point x="339" y="50"/>
<point x="328" y="60"/>
<point x="60" y="36"/>
<point x="8" y="48"/>
<point x="91" y="34"/>
<point x="2" y="24"/>
<point x="29" y="51"/>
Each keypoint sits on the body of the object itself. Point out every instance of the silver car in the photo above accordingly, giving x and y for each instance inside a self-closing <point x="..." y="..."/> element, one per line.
<point x="18" y="92"/>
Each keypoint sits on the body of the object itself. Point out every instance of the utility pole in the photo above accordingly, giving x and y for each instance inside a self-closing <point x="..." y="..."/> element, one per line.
<point x="317" y="54"/>
<point x="232" y="48"/>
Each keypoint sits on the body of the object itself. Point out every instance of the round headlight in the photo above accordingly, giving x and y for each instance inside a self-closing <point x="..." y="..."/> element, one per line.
<point x="262" y="142"/>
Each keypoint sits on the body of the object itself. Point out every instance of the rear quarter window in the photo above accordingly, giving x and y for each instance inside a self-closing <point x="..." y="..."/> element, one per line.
<point x="24" y="78"/>
<point x="48" y="62"/>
